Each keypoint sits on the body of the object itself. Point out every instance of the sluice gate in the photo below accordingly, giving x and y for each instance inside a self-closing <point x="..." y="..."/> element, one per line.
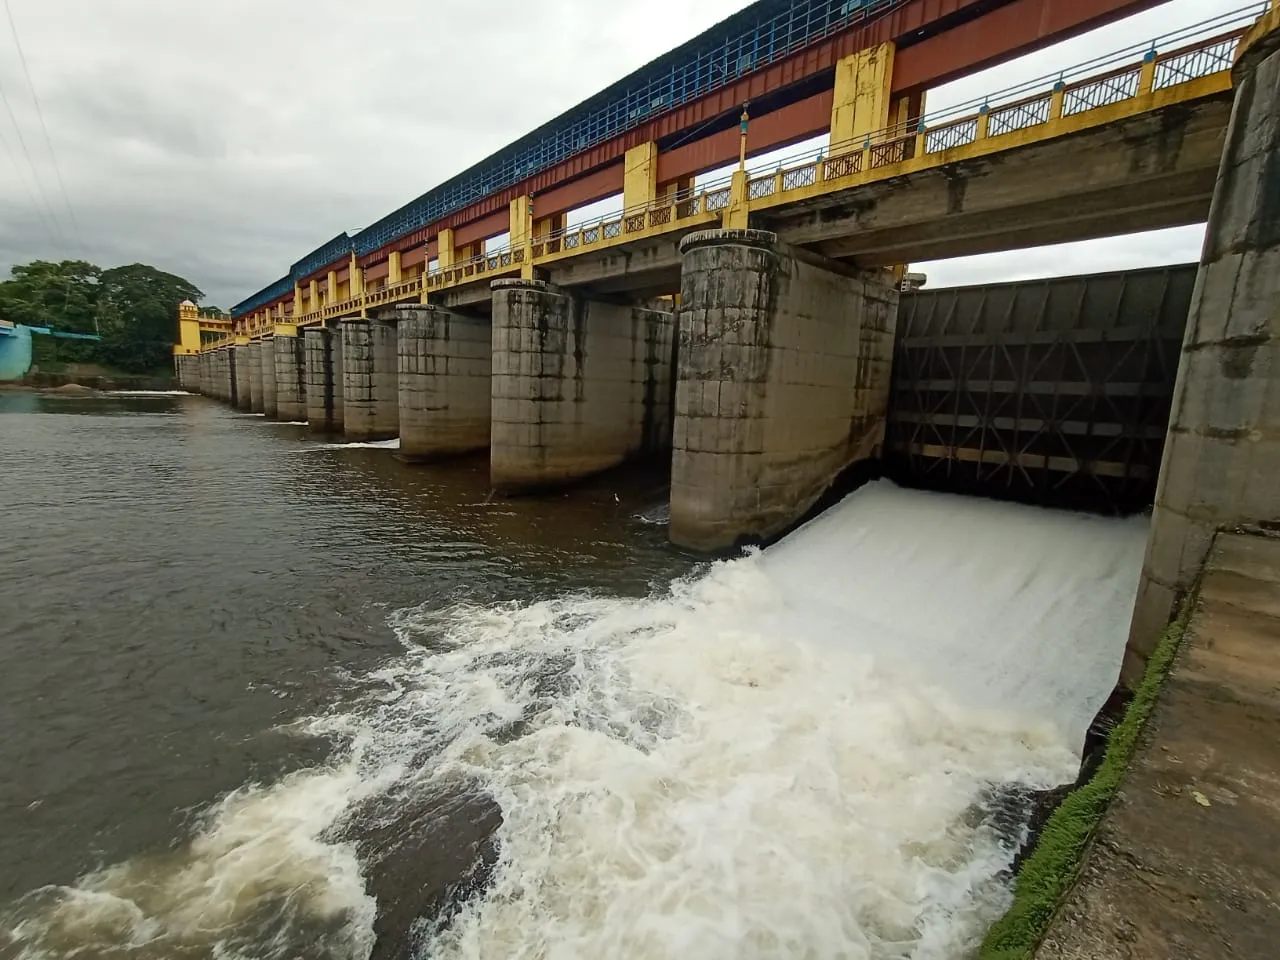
<point x="1054" y="391"/>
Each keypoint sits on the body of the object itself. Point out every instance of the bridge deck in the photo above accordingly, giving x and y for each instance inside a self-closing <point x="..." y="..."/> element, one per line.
<point x="798" y="198"/>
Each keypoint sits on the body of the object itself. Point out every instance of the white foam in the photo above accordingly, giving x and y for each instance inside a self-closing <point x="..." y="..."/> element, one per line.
<point x="787" y="755"/>
<point x="150" y="393"/>
<point x="369" y="445"/>
<point x="256" y="881"/>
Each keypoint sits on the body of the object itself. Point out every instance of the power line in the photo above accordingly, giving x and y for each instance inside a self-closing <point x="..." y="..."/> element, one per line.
<point x="26" y="188"/>
<point x="48" y="141"/>
<point x="35" y="173"/>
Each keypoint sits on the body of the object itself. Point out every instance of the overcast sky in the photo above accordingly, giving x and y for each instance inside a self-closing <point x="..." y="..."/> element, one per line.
<point x="222" y="140"/>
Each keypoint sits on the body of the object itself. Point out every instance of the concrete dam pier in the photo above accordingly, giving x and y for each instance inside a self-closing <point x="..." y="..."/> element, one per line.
<point x="579" y="385"/>
<point x="783" y="382"/>
<point x="444" y="360"/>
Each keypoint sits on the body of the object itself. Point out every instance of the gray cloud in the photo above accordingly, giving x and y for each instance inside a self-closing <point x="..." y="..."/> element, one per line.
<point x="222" y="141"/>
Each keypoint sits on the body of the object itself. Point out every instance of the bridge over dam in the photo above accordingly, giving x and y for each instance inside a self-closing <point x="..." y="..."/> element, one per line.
<point x="755" y="324"/>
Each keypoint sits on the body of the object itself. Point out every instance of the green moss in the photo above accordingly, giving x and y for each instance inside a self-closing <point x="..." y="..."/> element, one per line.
<point x="1049" y="872"/>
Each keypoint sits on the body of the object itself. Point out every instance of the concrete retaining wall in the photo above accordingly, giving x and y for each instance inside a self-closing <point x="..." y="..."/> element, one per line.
<point x="578" y="385"/>
<point x="444" y="361"/>
<point x="1222" y="455"/>
<point x="783" y="382"/>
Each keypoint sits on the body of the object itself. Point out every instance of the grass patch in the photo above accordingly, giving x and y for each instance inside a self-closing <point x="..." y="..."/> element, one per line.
<point x="1050" y="871"/>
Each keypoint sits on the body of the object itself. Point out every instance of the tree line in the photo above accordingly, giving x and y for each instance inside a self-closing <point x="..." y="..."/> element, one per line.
<point x="133" y="308"/>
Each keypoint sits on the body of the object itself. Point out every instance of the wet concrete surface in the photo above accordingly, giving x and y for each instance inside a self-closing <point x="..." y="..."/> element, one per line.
<point x="1186" y="863"/>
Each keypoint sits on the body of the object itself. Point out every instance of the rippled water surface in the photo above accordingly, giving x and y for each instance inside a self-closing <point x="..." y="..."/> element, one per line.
<point x="268" y="697"/>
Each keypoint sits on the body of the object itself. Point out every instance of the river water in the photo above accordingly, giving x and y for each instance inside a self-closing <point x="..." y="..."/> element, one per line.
<point x="268" y="697"/>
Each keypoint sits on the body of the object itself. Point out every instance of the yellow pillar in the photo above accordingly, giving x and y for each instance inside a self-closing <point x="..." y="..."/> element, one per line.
<point x="521" y="226"/>
<point x="331" y="287"/>
<point x="394" y="272"/>
<point x="297" y="299"/>
<point x="862" y="97"/>
<point x="313" y="297"/>
<point x="356" y="283"/>
<point x="444" y="249"/>
<point x="640" y="175"/>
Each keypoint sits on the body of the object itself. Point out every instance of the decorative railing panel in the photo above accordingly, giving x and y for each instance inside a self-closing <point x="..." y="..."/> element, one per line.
<point x="958" y="134"/>
<point x="1194" y="64"/>
<point x="1101" y="93"/>
<point x="1018" y="116"/>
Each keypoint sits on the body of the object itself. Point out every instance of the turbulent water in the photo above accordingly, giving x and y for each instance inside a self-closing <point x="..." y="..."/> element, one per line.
<point x="803" y="752"/>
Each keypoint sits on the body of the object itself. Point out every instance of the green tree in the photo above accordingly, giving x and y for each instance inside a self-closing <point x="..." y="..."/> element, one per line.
<point x="138" y="313"/>
<point x="134" y="308"/>
<point x="44" y="294"/>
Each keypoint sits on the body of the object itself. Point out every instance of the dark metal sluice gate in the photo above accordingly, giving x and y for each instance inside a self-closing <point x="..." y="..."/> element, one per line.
<point x="1055" y="392"/>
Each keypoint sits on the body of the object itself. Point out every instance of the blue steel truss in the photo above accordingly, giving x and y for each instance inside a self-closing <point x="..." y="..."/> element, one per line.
<point x="763" y="33"/>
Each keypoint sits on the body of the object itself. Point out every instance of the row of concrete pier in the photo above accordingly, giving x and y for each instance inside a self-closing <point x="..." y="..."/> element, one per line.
<point x="781" y="381"/>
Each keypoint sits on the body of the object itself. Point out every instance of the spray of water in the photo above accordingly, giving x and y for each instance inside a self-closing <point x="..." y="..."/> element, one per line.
<point x="795" y="753"/>
<point x="361" y="445"/>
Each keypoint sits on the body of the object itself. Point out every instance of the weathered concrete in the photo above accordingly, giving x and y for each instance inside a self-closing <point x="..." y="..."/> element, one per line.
<point x="444" y="360"/>
<point x="255" y="377"/>
<point x="269" y="387"/>
<point x="228" y="377"/>
<point x="370" y="391"/>
<point x="184" y="367"/>
<point x="323" y="352"/>
<point x="1221" y="462"/>
<point x="578" y="385"/>
<point x="1186" y="862"/>
<point x="291" y="378"/>
<point x="241" y="371"/>
<point x="783" y="382"/>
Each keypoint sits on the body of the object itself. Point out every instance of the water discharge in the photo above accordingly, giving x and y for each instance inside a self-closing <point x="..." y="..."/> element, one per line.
<point x="798" y="753"/>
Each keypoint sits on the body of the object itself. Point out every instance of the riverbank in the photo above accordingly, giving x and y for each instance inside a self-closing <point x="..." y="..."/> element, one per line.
<point x="88" y="383"/>
<point x="1185" y="860"/>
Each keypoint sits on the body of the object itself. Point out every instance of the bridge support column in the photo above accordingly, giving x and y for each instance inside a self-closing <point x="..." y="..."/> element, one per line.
<point x="241" y="370"/>
<point x="578" y="385"/>
<point x="443" y="361"/>
<point x="255" y="376"/>
<point x="269" y="387"/>
<point x="224" y="375"/>
<point x="370" y="393"/>
<point x="291" y="374"/>
<point x="783" y="383"/>
<point x="1221" y="462"/>
<point x="323" y="352"/>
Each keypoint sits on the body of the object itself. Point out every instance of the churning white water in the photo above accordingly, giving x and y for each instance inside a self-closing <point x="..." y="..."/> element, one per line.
<point x="794" y="754"/>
